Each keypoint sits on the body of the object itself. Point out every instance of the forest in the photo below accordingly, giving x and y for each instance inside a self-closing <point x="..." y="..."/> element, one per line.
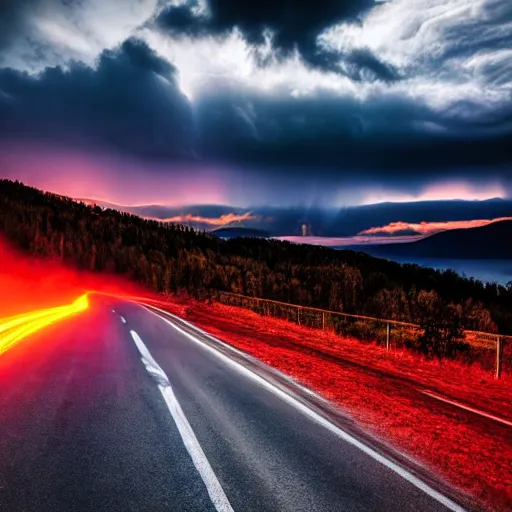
<point x="171" y="258"/>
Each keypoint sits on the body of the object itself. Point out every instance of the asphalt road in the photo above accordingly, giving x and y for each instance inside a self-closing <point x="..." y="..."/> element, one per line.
<point x="121" y="409"/>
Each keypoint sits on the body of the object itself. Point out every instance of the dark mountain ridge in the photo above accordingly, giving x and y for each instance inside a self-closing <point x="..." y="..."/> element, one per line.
<point x="493" y="241"/>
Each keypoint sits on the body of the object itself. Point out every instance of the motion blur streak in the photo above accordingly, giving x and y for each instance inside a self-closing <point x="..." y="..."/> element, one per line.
<point x="14" y="329"/>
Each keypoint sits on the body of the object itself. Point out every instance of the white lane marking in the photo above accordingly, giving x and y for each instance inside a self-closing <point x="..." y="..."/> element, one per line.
<point x="215" y="490"/>
<point x="241" y="353"/>
<point x="412" y="479"/>
<point x="462" y="406"/>
<point x="123" y="319"/>
<point x="113" y="311"/>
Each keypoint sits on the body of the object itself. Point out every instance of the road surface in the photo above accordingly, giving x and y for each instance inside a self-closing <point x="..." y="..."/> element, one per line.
<point x="120" y="408"/>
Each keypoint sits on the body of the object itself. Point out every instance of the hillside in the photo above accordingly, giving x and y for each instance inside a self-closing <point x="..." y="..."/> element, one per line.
<point x="171" y="258"/>
<point x="493" y="241"/>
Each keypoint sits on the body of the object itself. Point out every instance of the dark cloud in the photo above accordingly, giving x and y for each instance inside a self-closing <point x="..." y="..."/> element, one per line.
<point x="392" y="135"/>
<point x="130" y="101"/>
<point x="358" y="62"/>
<point x="293" y="27"/>
<point x="293" y="24"/>
<point x="181" y="20"/>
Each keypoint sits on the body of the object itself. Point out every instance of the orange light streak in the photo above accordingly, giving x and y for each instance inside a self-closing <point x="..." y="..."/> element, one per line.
<point x="14" y="329"/>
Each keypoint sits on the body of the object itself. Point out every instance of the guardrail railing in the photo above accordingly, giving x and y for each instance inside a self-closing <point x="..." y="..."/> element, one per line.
<point x="326" y="319"/>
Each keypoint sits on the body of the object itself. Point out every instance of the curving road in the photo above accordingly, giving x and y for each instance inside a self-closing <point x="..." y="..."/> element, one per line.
<point x="122" y="408"/>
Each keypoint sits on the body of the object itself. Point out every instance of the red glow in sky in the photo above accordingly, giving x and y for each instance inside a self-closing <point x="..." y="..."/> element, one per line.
<point x="110" y="178"/>
<point x="123" y="180"/>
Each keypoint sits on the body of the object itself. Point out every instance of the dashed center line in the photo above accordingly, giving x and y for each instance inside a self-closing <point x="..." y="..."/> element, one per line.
<point x="123" y="319"/>
<point x="215" y="490"/>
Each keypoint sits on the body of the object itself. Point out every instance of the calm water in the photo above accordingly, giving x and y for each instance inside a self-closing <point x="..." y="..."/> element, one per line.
<point x="491" y="271"/>
<point x="499" y="271"/>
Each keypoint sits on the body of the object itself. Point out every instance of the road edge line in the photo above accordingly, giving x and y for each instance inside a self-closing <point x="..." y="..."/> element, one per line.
<point x="393" y="466"/>
<point x="467" y="408"/>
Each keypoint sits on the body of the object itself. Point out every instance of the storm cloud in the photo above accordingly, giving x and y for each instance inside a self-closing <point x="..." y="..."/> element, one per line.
<point x="293" y="28"/>
<point x="129" y="102"/>
<point x="328" y="95"/>
<point x="333" y="133"/>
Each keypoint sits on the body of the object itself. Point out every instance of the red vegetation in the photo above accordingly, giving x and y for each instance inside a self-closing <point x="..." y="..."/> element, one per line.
<point x="27" y="283"/>
<point x="382" y="391"/>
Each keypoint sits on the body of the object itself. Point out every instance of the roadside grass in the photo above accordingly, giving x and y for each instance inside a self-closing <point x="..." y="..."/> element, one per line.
<point x="380" y="390"/>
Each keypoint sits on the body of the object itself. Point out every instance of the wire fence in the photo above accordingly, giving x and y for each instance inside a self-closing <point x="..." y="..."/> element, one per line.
<point x="492" y="351"/>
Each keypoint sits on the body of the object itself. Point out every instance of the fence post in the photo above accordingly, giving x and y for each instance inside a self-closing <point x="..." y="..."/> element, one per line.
<point x="323" y="321"/>
<point x="387" y="336"/>
<point x="499" y="356"/>
<point x="298" y="316"/>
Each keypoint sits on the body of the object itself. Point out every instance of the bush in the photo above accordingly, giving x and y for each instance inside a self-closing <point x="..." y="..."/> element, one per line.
<point x="443" y="333"/>
<point x="362" y="330"/>
<point x="405" y="337"/>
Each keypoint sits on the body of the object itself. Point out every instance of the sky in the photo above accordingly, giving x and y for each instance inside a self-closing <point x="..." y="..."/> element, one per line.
<point x="329" y="104"/>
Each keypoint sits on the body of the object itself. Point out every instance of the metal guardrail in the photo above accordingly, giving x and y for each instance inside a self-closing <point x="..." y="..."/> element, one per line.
<point x="323" y="319"/>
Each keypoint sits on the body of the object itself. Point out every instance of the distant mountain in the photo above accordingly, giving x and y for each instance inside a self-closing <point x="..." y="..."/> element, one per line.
<point x="327" y="222"/>
<point x="493" y="241"/>
<point x="240" y="232"/>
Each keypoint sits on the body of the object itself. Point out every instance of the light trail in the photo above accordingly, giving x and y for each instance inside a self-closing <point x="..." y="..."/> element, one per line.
<point x="14" y="329"/>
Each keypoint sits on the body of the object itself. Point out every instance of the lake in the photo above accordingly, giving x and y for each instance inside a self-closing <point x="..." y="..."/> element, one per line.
<point x="499" y="271"/>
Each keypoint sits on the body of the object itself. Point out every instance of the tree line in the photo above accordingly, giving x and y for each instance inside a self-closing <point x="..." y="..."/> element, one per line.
<point x="171" y="258"/>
